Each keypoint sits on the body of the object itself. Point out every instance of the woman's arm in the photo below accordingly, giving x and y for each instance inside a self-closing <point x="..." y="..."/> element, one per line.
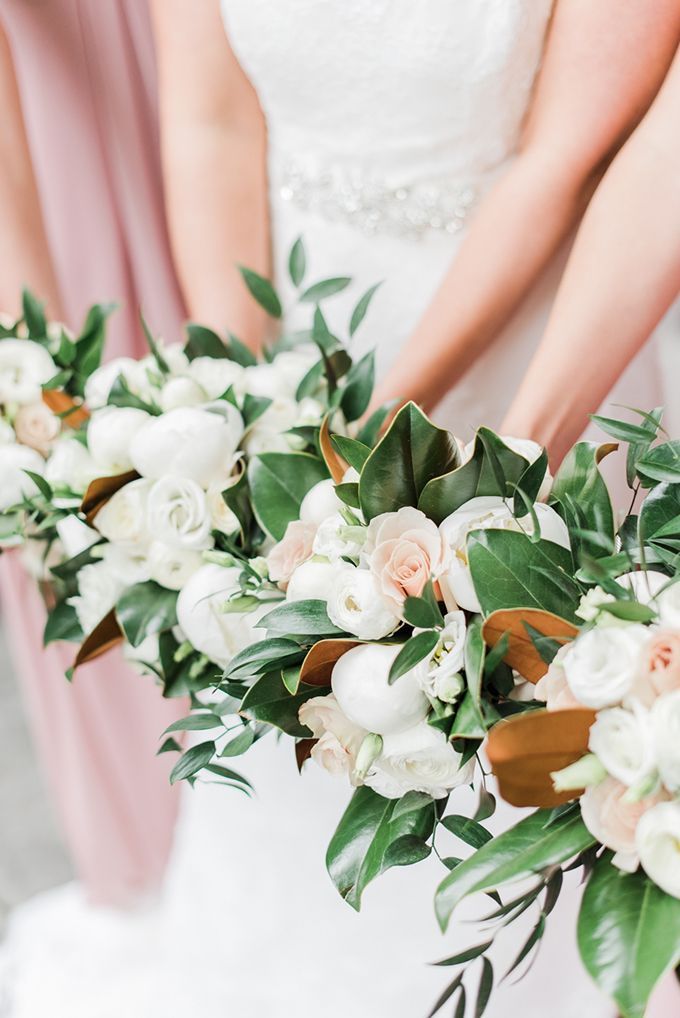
<point x="214" y="155"/>
<point x="623" y="274"/>
<point x="604" y="63"/>
<point x="24" y="256"/>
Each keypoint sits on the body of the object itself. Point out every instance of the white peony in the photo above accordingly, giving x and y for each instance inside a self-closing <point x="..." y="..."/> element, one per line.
<point x="110" y="434"/>
<point x="439" y="674"/>
<point x="359" y="683"/>
<point x="312" y="580"/>
<point x="356" y="605"/>
<point x="177" y="513"/>
<point x="217" y="634"/>
<point x="99" y="587"/>
<point x="490" y="513"/>
<point x="621" y="740"/>
<point x="665" y="726"/>
<point x="15" y="483"/>
<point x="189" y="442"/>
<point x="320" y="502"/>
<point x="418" y="760"/>
<point x="98" y="386"/>
<point x="123" y="519"/>
<point x="216" y="376"/>
<point x="25" y="366"/>
<point x="70" y="466"/>
<point x="601" y="666"/>
<point x="657" y="840"/>
<point x="266" y="381"/>
<point x="336" y="540"/>
<point x="178" y="392"/>
<point x="172" y="567"/>
<point x="293" y="365"/>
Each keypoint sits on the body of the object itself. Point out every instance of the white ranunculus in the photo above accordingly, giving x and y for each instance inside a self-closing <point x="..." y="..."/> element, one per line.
<point x="490" y="513"/>
<point x="600" y="666"/>
<point x="70" y="466"/>
<point x="110" y="434"/>
<point x="356" y="605"/>
<point x="216" y="376"/>
<point x="6" y="433"/>
<point x="177" y="513"/>
<point x="15" y="459"/>
<point x="172" y="567"/>
<point x="188" y="442"/>
<point x="312" y="580"/>
<point x="418" y="760"/>
<point x="320" y="502"/>
<point x="24" y="368"/>
<point x="99" y="384"/>
<point x="668" y="605"/>
<point x="665" y="724"/>
<point x="75" y="536"/>
<point x="439" y="674"/>
<point x="621" y="740"/>
<point x="178" y="392"/>
<point x="217" y="634"/>
<point x="268" y="433"/>
<point x="123" y="519"/>
<point x="359" y="683"/>
<point x="657" y="839"/>
<point x="336" y="540"/>
<point x="99" y="587"/>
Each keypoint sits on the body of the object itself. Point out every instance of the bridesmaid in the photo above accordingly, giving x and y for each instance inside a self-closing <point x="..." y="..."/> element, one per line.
<point x="98" y="182"/>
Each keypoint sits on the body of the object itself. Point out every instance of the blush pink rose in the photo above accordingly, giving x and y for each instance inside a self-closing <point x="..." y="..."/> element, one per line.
<point x="613" y="820"/>
<point x="660" y="667"/>
<point x="553" y="686"/>
<point x="404" y="550"/>
<point x="294" y="548"/>
<point x="339" y="739"/>
<point x="36" y="426"/>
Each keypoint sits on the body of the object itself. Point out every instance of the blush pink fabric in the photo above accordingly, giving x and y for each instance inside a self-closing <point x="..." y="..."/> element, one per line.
<point x="86" y="75"/>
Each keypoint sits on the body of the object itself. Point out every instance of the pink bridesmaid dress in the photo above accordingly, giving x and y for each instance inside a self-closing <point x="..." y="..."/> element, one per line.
<point x="86" y="75"/>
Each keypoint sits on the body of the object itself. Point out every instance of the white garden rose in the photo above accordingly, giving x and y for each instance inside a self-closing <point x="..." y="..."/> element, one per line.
<point x="36" y="426"/>
<point x="75" y="536"/>
<point x="359" y="683"/>
<point x="98" y="386"/>
<point x="189" y="442"/>
<point x="15" y="483"/>
<point x="339" y="739"/>
<point x="312" y="580"/>
<point x="178" y="392"/>
<point x="170" y="566"/>
<point x="319" y="503"/>
<point x="356" y="605"/>
<point x="99" y="587"/>
<point x="25" y="366"/>
<point x="218" y="634"/>
<point x="110" y="434"/>
<point x="335" y="539"/>
<point x="658" y="843"/>
<point x="622" y="741"/>
<point x="601" y="666"/>
<point x="665" y="727"/>
<point x="215" y="377"/>
<point x="123" y="519"/>
<point x="418" y="760"/>
<point x="439" y="674"/>
<point x="177" y="513"/>
<point x="490" y="513"/>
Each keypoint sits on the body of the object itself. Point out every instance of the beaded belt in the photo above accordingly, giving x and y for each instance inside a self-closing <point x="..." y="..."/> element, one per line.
<point x="373" y="206"/>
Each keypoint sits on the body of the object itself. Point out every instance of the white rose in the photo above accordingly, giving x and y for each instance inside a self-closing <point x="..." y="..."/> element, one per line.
<point x="70" y="466"/>
<point x="439" y="674"/>
<point x="657" y="839"/>
<point x="172" y="567"/>
<point x="600" y="666"/>
<point x="216" y="376"/>
<point x="359" y="683"/>
<point x="490" y="513"/>
<point x="98" y="590"/>
<point x="339" y="738"/>
<point x="6" y="433"/>
<point x="418" y="760"/>
<point x="665" y="724"/>
<point x="336" y="540"/>
<point x="179" y="392"/>
<point x="15" y="484"/>
<point x="320" y="502"/>
<point x="621" y="740"/>
<point x="75" y="536"/>
<point x="35" y="425"/>
<point x="123" y="519"/>
<point x="312" y="580"/>
<point x="356" y="605"/>
<point x="268" y="433"/>
<point x="110" y="434"/>
<point x="217" y="634"/>
<point x="25" y="366"/>
<point x="189" y="442"/>
<point x="98" y="386"/>
<point x="177" y="513"/>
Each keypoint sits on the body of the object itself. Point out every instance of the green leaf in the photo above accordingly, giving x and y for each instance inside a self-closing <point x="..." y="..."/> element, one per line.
<point x="254" y="407"/>
<point x="510" y="571"/>
<point x="34" y="316"/>
<point x="240" y="353"/>
<point x="349" y="494"/>
<point x="297" y="262"/>
<point x="145" y="609"/>
<point x="240" y="744"/>
<point x="325" y="288"/>
<point x="194" y="723"/>
<point x="356" y="394"/>
<point x="469" y="954"/>
<point x="160" y="360"/>
<point x="468" y="722"/>
<point x="622" y="430"/>
<point x="475" y="652"/>
<point x="270" y="701"/>
<point x="659" y="520"/>
<point x="628" y="934"/>
<point x="261" y="656"/>
<point x="411" y="452"/>
<point x="412" y="653"/>
<point x="410" y="802"/>
<point x="263" y="291"/>
<point x="278" y="483"/>
<point x="237" y="498"/>
<point x="203" y="342"/>
<point x="406" y="851"/>
<point x="361" y="308"/>
<point x="469" y="831"/>
<point x="41" y="484"/>
<point x="358" y="850"/>
<point x="354" y="452"/>
<point x="661" y="463"/>
<point x="579" y="483"/>
<point x="423" y="612"/>
<point x="485" y="988"/>
<point x="629" y="611"/>
<point x="90" y="344"/>
<point x="493" y="469"/>
<point x="300" y="618"/>
<point x="528" y="847"/>
<point x="368" y="433"/>
<point x="120" y="394"/>
<point x="194" y="760"/>
<point x="62" y="624"/>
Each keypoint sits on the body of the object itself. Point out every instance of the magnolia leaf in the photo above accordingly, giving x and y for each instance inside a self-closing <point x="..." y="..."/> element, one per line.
<point x="60" y="403"/>
<point x="100" y="491"/>
<point x="337" y="467"/>
<point x="303" y="751"/>
<point x="522" y="654"/>
<point x="106" y="634"/>
<point x="317" y="667"/>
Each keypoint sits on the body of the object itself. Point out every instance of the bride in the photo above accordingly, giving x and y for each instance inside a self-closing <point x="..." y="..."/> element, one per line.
<point x="447" y="148"/>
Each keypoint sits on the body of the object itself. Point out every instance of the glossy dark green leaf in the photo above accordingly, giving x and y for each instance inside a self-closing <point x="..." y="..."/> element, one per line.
<point x="193" y="761"/>
<point x="580" y="483"/>
<point x="145" y="609"/>
<point x="468" y="722"/>
<point x="469" y="954"/>
<point x="203" y="342"/>
<point x="475" y="651"/>
<point x="263" y="292"/>
<point x="361" y="308"/>
<point x="411" y="451"/>
<point x="349" y="494"/>
<point x="353" y="452"/>
<point x="90" y="344"/>
<point x="485" y="988"/>
<point x="34" y="316"/>
<point x="237" y="498"/>
<point x="623" y="431"/>
<point x="297" y="262"/>
<point x="269" y="700"/>
<point x="369" y="432"/>
<point x="120" y="394"/>
<point x="662" y="463"/>
<point x="278" y="483"/>
<point x="300" y="618"/>
<point x="325" y="288"/>
<point x="358" y="388"/>
<point x="412" y="653"/>
<point x="261" y="656"/>
<point x="423" y="612"/>
<point x="240" y="744"/>
<point x="659" y="520"/>
<point x="194" y="723"/>
<point x="469" y="831"/>
<point x="406" y="851"/>
<point x="527" y="848"/>
<point x="62" y="624"/>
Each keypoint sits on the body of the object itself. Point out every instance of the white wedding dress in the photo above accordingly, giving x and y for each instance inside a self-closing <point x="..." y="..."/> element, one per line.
<point x="388" y="120"/>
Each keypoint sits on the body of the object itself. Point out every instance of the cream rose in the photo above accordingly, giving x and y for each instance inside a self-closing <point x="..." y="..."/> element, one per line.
<point x="622" y="741"/>
<point x="189" y="442"/>
<point x="356" y="605"/>
<point x="15" y="483"/>
<point x="660" y="665"/>
<point x="293" y="365"/>
<point x="290" y="552"/>
<point x="657" y="839"/>
<point x="177" y="514"/>
<point x="665" y="737"/>
<point x="613" y="820"/>
<point x="36" y="426"/>
<point x="418" y="760"/>
<point x="319" y="503"/>
<point x="359" y="683"/>
<point x="403" y="551"/>
<point x="123" y="519"/>
<point x="110" y="434"/>
<point x="25" y="366"/>
<point x="339" y="738"/>
<point x="218" y="634"/>
<point x="601" y="665"/>
<point x="644" y="584"/>
<point x="439" y="675"/>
